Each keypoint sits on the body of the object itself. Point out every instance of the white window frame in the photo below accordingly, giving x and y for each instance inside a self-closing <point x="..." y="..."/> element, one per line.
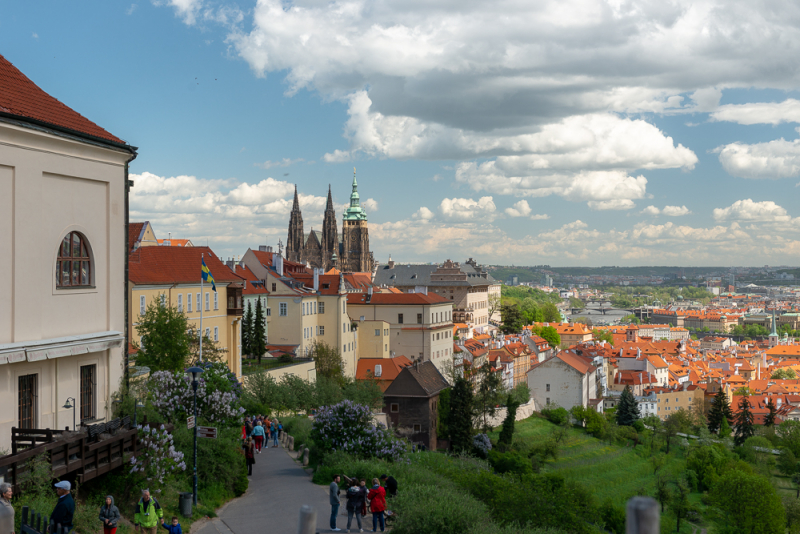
<point x="322" y="330"/>
<point x="315" y="308"/>
<point x="188" y="303"/>
<point x="142" y="305"/>
<point x="216" y="334"/>
<point x="216" y="300"/>
<point x="208" y="301"/>
<point x="199" y="302"/>
<point x="269" y="312"/>
<point x="284" y="309"/>
<point x="208" y="333"/>
<point x="377" y="332"/>
<point x="321" y="307"/>
<point x="180" y="302"/>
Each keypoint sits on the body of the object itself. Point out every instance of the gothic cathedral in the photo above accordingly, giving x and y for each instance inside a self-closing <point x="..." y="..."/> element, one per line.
<point x="348" y="254"/>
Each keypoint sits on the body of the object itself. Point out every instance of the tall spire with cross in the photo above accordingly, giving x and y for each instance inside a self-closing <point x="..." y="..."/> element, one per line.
<point x="330" y="234"/>
<point x="295" y="241"/>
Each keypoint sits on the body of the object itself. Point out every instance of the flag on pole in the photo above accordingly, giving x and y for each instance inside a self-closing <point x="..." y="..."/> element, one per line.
<point x="207" y="276"/>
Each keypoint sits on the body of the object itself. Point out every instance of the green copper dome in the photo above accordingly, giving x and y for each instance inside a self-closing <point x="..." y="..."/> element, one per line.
<point x="355" y="212"/>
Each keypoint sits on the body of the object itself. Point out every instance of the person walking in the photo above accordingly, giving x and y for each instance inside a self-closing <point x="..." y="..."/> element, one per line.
<point x="109" y="515"/>
<point x="335" y="502"/>
<point x="274" y="431"/>
<point x="147" y="514"/>
<point x="65" y="507"/>
<point x="377" y="504"/>
<point x="391" y="485"/>
<point x="6" y="509"/>
<point x="249" y="455"/>
<point x="356" y="497"/>
<point x="174" y="527"/>
<point x="258" y="436"/>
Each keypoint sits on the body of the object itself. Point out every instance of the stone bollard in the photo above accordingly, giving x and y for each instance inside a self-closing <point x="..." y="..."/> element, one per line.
<point x="642" y="516"/>
<point x="291" y="443"/>
<point x="305" y="457"/>
<point x="308" y="520"/>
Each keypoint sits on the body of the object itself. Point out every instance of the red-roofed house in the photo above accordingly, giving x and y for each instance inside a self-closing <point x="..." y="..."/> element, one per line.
<point x="63" y="221"/>
<point x="566" y="379"/>
<point x="382" y="370"/>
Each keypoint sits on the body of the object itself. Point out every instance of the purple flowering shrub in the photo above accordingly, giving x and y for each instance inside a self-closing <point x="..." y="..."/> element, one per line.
<point x="482" y="444"/>
<point x="172" y="396"/>
<point x="156" y="458"/>
<point x="348" y="427"/>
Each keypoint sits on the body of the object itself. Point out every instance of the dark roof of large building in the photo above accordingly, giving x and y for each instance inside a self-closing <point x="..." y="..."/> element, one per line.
<point x="418" y="380"/>
<point x="23" y="99"/>
<point x="403" y="299"/>
<point x="420" y="275"/>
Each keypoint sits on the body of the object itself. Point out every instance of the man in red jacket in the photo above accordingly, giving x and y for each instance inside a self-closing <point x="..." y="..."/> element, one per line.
<point x="377" y="504"/>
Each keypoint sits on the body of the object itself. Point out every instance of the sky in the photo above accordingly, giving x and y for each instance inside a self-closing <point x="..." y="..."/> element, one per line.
<point x="563" y="132"/>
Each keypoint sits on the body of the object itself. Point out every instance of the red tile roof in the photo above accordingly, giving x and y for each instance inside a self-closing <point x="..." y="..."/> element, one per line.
<point x="134" y="232"/>
<point x="396" y="298"/>
<point x="330" y="280"/>
<point x="250" y="288"/>
<point x="20" y="97"/>
<point x="169" y="265"/>
<point x="390" y="367"/>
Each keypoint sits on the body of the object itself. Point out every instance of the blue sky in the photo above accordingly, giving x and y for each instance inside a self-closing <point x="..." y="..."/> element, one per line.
<point x="621" y="133"/>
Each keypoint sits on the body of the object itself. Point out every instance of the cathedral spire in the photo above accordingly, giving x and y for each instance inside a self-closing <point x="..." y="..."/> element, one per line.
<point x="296" y="205"/>
<point x="329" y="207"/>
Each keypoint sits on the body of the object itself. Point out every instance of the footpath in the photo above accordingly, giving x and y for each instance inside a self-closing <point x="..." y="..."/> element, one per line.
<point x="278" y="488"/>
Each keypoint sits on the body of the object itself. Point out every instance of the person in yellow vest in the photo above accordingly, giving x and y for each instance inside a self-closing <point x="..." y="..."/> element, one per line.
<point x="147" y="514"/>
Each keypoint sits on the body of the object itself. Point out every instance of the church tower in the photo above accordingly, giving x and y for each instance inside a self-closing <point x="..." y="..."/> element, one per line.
<point x="355" y="255"/>
<point x="773" y="335"/>
<point x="296" y="241"/>
<point x="330" y="234"/>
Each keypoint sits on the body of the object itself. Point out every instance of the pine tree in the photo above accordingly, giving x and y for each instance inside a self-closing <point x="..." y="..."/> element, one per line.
<point x="769" y="419"/>
<point x="247" y="331"/>
<point x="628" y="410"/>
<point x="459" y="420"/>
<point x="258" y="343"/>
<point x="744" y="422"/>
<point x="720" y="409"/>
<point x="507" y="433"/>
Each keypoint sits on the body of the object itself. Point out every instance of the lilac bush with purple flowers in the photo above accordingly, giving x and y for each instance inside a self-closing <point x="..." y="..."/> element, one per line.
<point x="348" y="427"/>
<point x="156" y="458"/>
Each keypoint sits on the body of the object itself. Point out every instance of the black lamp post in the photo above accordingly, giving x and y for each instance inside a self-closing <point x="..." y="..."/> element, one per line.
<point x="136" y="404"/>
<point x="69" y="406"/>
<point x="195" y="372"/>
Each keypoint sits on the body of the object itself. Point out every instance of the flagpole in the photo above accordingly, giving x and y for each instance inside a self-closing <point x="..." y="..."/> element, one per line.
<point x="201" y="304"/>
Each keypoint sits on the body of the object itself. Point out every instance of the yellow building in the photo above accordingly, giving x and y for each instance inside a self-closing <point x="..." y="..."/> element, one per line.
<point x="374" y="340"/>
<point x="171" y="275"/>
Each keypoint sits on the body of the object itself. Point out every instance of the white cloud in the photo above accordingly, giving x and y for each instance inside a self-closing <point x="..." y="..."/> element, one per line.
<point x="424" y="213"/>
<point x="35" y="35"/>
<point x="675" y="211"/>
<point x="748" y="210"/>
<point x="371" y="205"/>
<point x="285" y="162"/>
<point x="467" y="209"/>
<point x="337" y="156"/>
<point x="770" y="160"/>
<point x="539" y="217"/>
<point x="186" y="10"/>
<point x="131" y="9"/>
<point x="650" y="210"/>
<point x="520" y="209"/>
<point x="613" y="204"/>
<point x="759" y="112"/>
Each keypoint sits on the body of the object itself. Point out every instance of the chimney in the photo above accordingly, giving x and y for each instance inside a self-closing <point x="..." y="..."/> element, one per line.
<point x="280" y="265"/>
<point x="263" y="248"/>
<point x="231" y="264"/>
<point x="369" y="293"/>
<point x="391" y="262"/>
<point x="269" y="248"/>
<point x="316" y="279"/>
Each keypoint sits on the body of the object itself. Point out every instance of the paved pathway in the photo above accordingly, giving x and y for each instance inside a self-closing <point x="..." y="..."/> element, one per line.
<point x="278" y="488"/>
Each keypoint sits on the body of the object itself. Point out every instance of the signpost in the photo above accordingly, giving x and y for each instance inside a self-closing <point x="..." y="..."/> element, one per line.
<point x="207" y="432"/>
<point x="190" y="422"/>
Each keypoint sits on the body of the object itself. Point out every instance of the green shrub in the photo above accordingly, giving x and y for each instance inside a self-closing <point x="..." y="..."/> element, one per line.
<point x="298" y="427"/>
<point x="438" y="510"/>
<point x="222" y="471"/>
<point x="510" y="462"/>
<point x="556" y="414"/>
<point x="613" y="517"/>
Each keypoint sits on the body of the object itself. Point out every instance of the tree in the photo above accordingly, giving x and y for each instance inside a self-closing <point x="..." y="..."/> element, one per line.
<point x="490" y="391"/>
<point x="784" y="373"/>
<point x="494" y="304"/>
<point x="789" y="434"/>
<point x="658" y="461"/>
<point x="678" y="421"/>
<point x="680" y="504"/>
<point x="603" y="335"/>
<point x="749" y="502"/>
<point x="769" y="419"/>
<point x="459" y="420"/>
<point x="259" y="335"/>
<point x="512" y="319"/>
<point x="165" y="344"/>
<point x="551" y="313"/>
<point x="796" y="482"/>
<point x="628" y="410"/>
<point x="663" y="493"/>
<point x="744" y="422"/>
<point x="328" y="361"/>
<point x="521" y="393"/>
<point x="720" y="409"/>
<point x="787" y="463"/>
<point x="247" y="331"/>
<point x="550" y="334"/>
<point x="507" y="433"/>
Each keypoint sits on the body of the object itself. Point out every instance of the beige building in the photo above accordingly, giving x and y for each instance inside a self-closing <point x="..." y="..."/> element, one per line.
<point x="565" y="379"/>
<point x="305" y="308"/>
<point x="171" y="275"/>
<point x="420" y="325"/>
<point x="63" y="206"/>
<point x="374" y="338"/>
<point x="681" y="398"/>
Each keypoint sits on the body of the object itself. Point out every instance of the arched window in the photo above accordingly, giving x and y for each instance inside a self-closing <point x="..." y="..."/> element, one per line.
<point x="74" y="264"/>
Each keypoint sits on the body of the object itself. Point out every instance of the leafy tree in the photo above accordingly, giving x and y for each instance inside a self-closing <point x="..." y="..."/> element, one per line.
<point x="725" y="429"/>
<point x="787" y="463"/>
<point x="792" y="507"/>
<point x="658" y="461"/>
<point x="512" y="319"/>
<point x="748" y="503"/>
<point x="769" y="419"/>
<point x="789" y="434"/>
<point x="258" y="337"/>
<point x="720" y="409"/>
<point x="744" y="422"/>
<point x="459" y="420"/>
<point x="507" y="432"/>
<point x="678" y="421"/>
<point x="551" y="313"/>
<point x="328" y="361"/>
<point x="490" y="391"/>
<point x="628" y="410"/>
<point x="784" y="373"/>
<point x="603" y="335"/>
<point x="707" y="461"/>
<point x="247" y="331"/>
<point x="663" y="494"/>
<point x="494" y="303"/>
<point x="521" y="393"/>
<point x="796" y="482"/>
<point x="549" y="334"/>
<point x="165" y="344"/>
<point x="680" y="504"/>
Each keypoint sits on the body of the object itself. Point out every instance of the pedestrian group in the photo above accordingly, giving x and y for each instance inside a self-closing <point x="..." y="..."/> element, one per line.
<point x="361" y="500"/>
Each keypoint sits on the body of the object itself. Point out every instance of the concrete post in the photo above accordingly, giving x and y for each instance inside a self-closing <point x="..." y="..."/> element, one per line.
<point x="308" y="520"/>
<point x="305" y="456"/>
<point x="291" y="443"/>
<point x="642" y="516"/>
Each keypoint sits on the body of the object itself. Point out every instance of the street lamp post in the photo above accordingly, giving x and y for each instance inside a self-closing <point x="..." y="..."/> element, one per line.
<point x="136" y="404"/>
<point x="195" y="372"/>
<point x="69" y="406"/>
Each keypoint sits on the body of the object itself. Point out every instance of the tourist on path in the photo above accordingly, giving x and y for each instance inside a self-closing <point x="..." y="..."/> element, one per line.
<point x="6" y="509"/>
<point x="391" y="485"/>
<point x="335" y="502"/>
<point x="356" y="498"/>
<point x="258" y="436"/>
<point x="249" y="455"/>
<point x="109" y="515"/>
<point x="377" y="505"/>
<point x="175" y="527"/>
<point x="274" y="430"/>
<point x="65" y="507"/>
<point x="147" y="514"/>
